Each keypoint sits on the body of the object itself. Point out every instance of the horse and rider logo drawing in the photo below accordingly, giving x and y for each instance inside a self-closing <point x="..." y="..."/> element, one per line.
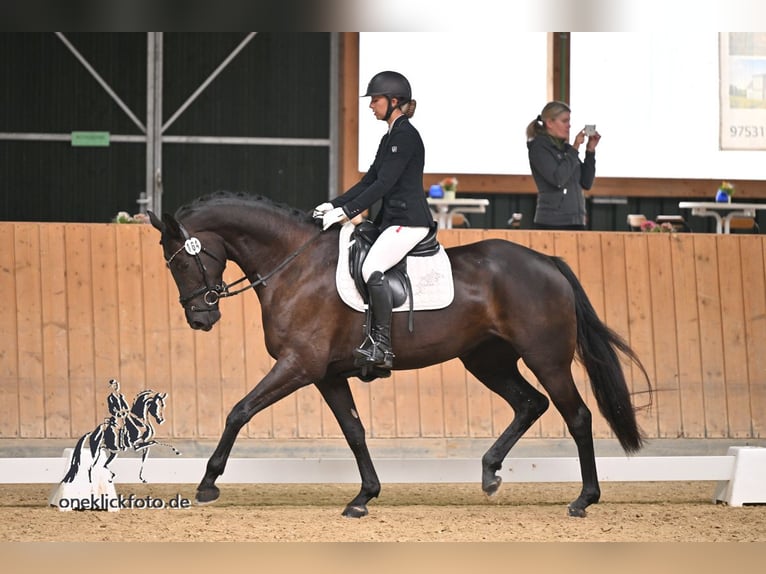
<point x="127" y="428"/>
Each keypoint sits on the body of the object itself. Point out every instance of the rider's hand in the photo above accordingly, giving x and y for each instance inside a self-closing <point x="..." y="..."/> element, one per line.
<point x="332" y="217"/>
<point x="321" y="209"/>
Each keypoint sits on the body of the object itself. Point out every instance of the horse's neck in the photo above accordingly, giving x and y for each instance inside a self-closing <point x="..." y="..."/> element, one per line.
<point x="261" y="249"/>
<point x="139" y="409"/>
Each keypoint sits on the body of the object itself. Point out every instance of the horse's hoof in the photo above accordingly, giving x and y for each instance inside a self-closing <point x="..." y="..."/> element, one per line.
<point x="491" y="488"/>
<point x="577" y="512"/>
<point x="355" y="511"/>
<point x="207" y="495"/>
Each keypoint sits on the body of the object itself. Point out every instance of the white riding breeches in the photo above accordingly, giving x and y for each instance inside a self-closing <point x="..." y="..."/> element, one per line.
<point x="391" y="247"/>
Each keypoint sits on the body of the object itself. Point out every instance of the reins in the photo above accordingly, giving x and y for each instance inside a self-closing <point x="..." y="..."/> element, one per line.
<point x="213" y="293"/>
<point x="262" y="280"/>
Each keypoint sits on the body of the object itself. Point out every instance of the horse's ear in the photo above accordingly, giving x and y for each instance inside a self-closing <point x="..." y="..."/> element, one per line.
<point x="156" y="221"/>
<point x="171" y="228"/>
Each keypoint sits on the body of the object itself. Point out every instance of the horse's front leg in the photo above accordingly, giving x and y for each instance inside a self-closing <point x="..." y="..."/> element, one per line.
<point x="337" y="394"/>
<point x="285" y="377"/>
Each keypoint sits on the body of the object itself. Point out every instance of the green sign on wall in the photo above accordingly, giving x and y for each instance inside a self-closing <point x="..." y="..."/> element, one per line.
<point x="90" y="139"/>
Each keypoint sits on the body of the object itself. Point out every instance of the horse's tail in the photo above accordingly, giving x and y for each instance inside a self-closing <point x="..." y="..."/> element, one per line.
<point x="74" y="461"/>
<point x="597" y="347"/>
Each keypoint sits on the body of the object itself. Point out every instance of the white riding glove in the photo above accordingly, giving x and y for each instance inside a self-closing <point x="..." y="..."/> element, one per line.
<point x="332" y="217"/>
<point x="321" y="209"/>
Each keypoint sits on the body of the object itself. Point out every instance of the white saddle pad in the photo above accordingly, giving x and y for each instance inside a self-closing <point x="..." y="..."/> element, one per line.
<point x="431" y="278"/>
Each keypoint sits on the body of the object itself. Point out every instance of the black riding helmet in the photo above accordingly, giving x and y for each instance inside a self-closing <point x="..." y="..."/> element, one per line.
<point x="391" y="85"/>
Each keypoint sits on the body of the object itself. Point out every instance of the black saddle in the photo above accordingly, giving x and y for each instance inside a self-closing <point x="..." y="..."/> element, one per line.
<point x="363" y="236"/>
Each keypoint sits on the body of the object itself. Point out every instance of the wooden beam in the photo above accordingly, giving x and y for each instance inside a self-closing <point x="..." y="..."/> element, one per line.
<point x="558" y="66"/>
<point x="349" y="111"/>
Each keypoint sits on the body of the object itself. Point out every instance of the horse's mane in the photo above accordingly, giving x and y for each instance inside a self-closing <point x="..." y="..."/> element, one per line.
<point x="241" y="199"/>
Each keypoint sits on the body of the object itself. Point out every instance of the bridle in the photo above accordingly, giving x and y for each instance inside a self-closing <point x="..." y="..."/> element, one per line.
<point x="212" y="293"/>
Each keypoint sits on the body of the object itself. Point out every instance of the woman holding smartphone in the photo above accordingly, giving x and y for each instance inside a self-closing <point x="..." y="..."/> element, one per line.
<point x="559" y="173"/>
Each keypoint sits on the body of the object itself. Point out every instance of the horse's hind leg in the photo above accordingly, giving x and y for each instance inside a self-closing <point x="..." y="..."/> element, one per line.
<point x="495" y="365"/>
<point x="558" y="381"/>
<point x="337" y="394"/>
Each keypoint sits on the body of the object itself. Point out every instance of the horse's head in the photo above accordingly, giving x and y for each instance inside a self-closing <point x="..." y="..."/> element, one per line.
<point x="155" y="406"/>
<point x="197" y="264"/>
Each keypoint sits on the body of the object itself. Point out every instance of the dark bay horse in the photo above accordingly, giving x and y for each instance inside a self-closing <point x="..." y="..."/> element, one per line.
<point x="510" y="303"/>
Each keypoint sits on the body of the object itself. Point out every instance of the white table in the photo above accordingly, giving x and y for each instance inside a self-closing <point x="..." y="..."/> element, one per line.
<point x="443" y="209"/>
<point x="722" y="212"/>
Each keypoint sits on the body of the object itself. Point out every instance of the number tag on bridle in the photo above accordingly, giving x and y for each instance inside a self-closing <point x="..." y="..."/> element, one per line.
<point x="193" y="246"/>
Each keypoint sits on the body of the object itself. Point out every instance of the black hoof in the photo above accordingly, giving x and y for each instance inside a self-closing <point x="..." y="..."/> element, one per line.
<point x="491" y="488"/>
<point x="208" y="494"/>
<point x="355" y="511"/>
<point x="577" y="512"/>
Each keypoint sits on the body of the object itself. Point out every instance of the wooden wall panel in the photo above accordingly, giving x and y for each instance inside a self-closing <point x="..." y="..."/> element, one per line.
<point x="55" y="340"/>
<point x="9" y="335"/>
<point x="711" y="336"/>
<point x="95" y="301"/>
<point x="84" y="343"/>
<point x="154" y="287"/>
<point x="663" y="323"/>
<point x="733" y="326"/>
<point x="30" y="328"/>
<point x="383" y="405"/>
<point x="183" y="381"/>
<point x="691" y="397"/>
<point x="754" y="293"/>
<point x="639" y="333"/>
<point x="131" y="314"/>
<point x="105" y="291"/>
<point x="406" y="395"/>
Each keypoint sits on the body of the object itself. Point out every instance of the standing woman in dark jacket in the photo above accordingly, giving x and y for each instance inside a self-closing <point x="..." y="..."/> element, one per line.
<point x="396" y="178"/>
<point x="559" y="173"/>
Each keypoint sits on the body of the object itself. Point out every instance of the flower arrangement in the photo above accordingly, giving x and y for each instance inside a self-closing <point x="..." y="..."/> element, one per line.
<point x="727" y="187"/>
<point x="449" y="184"/>
<point x="652" y="227"/>
<point x="125" y="217"/>
<point x="725" y="191"/>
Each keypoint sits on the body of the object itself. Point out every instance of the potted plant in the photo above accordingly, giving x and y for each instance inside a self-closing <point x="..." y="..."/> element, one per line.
<point x="725" y="192"/>
<point x="449" y="185"/>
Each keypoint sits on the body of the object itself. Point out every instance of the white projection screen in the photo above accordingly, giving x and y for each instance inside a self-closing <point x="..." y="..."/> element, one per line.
<point x="654" y="96"/>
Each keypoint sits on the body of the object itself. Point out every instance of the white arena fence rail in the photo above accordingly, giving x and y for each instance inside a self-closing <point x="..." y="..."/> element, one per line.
<point x="740" y="474"/>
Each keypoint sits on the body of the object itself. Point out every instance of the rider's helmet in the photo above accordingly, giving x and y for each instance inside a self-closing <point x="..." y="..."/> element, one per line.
<point x="391" y="85"/>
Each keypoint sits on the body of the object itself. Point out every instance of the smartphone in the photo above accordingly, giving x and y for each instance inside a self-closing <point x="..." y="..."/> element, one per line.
<point x="590" y="129"/>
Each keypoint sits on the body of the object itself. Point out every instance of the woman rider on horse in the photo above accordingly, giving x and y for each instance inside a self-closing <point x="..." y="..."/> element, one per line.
<point x="404" y="218"/>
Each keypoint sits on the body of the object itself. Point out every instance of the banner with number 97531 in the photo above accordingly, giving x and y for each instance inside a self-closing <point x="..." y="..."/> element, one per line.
<point x="743" y="90"/>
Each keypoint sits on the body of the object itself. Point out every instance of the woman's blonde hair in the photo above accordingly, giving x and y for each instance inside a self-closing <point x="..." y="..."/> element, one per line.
<point x="551" y="110"/>
<point x="408" y="109"/>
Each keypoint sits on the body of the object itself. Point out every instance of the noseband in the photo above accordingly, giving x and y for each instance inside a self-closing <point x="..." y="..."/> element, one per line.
<point x="213" y="293"/>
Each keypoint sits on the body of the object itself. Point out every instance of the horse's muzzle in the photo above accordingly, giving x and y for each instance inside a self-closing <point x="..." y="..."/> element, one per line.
<point x="200" y="320"/>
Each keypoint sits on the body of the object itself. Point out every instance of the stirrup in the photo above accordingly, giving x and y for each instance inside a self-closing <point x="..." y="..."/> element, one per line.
<point x="373" y="355"/>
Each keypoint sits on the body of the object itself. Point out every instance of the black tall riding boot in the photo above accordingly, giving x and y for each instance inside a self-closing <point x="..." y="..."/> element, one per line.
<point x="376" y="349"/>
